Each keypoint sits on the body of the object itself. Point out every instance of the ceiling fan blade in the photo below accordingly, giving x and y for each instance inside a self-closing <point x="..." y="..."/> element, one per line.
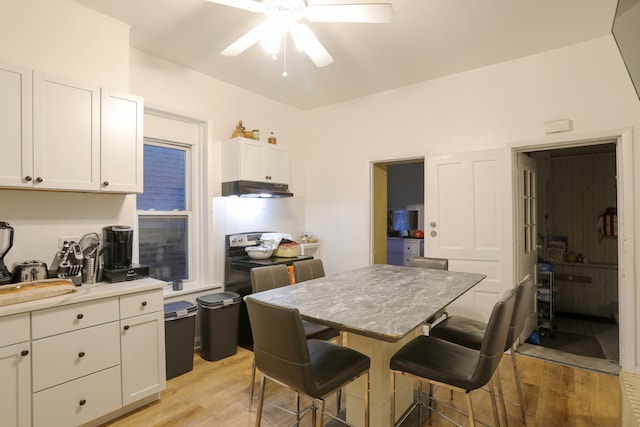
<point x="246" y="41"/>
<point x="377" y="13"/>
<point x="250" y="5"/>
<point x="307" y="42"/>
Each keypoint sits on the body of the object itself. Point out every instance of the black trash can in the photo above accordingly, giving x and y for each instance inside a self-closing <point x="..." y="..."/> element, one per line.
<point x="218" y="321"/>
<point x="179" y="334"/>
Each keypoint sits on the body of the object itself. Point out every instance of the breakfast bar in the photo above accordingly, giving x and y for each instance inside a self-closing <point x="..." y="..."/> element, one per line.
<point x="381" y="307"/>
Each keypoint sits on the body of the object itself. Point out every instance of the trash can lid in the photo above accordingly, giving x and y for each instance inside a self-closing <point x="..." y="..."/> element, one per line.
<point x="179" y="309"/>
<point x="219" y="299"/>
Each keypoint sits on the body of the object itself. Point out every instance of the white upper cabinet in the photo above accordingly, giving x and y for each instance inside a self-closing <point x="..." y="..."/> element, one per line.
<point x="66" y="134"/>
<point x="61" y="135"/>
<point x="16" y="125"/>
<point x="250" y="160"/>
<point x="122" y="143"/>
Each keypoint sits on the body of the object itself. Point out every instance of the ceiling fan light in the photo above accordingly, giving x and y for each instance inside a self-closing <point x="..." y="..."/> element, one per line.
<point x="272" y="38"/>
<point x="307" y="42"/>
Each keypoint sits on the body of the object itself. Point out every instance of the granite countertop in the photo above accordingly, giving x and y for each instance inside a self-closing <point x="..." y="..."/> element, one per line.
<point x="86" y="292"/>
<point x="380" y="301"/>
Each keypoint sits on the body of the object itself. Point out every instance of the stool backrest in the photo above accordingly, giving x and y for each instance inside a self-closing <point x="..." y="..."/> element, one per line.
<point x="269" y="277"/>
<point x="308" y="269"/>
<point x="427" y="262"/>
<point x="520" y="311"/>
<point x="495" y="336"/>
<point x="280" y="345"/>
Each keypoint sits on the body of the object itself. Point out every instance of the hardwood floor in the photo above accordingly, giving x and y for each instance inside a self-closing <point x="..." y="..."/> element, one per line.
<point x="216" y="394"/>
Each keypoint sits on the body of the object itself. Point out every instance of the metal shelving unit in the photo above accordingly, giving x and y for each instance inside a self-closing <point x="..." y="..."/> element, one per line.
<point x="546" y="315"/>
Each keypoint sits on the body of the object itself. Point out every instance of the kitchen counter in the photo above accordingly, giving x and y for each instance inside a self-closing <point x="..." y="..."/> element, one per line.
<point x="86" y="292"/>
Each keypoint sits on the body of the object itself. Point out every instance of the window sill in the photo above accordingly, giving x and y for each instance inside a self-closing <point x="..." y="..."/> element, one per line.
<point x="190" y="288"/>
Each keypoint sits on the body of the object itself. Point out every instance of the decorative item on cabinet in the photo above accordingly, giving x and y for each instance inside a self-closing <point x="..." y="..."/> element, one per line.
<point x="239" y="131"/>
<point x="272" y="139"/>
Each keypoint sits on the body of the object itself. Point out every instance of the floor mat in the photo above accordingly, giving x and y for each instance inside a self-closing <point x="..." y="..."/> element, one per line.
<point x="582" y="345"/>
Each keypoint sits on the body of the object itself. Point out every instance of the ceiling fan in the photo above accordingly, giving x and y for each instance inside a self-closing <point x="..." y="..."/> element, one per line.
<point x="284" y="15"/>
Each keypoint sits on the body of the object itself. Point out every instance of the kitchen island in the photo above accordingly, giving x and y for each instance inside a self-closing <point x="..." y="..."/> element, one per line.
<point x="83" y="357"/>
<point x="381" y="307"/>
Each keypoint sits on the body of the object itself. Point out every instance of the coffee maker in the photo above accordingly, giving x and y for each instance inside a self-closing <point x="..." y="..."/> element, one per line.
<point x="117" y="244"/>
<point x="6" y="242"/>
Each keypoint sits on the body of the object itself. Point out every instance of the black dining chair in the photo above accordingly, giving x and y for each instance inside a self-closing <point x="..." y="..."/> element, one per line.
<point x="435" y="264"/>
<point x="276" y="276"/>
<point x="308" y="269"/>
<point x="314" y="368"/>
<point x="458" y="368"/>
<point x="470" y="333"/>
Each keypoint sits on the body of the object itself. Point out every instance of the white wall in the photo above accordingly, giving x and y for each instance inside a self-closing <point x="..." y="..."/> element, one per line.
<point x="65" y="39"/>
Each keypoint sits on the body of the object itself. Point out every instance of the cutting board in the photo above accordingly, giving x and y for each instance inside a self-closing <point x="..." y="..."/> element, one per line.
<point x="30" y="291"/>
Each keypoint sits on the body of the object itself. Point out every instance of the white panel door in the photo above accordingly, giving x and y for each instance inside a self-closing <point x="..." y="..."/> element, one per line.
<point x="469" y="222"/>
<point x="527" y="232"/>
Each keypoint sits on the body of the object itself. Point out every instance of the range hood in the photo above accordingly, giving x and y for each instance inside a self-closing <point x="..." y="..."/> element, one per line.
<point x="255" y="189"/>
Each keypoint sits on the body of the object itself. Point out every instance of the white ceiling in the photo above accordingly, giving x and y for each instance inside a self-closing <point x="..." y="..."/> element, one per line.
<point x="426" y="39"/>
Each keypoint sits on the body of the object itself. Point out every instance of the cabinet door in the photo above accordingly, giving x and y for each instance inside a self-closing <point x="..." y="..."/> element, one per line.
<point x="15" y="393"/>
<point x="276" y="165"/>
<point x="143" y="357"/>
<point x="121" y="143"/>
<point x="66" y="139"/>
<point x="251" y="160"/>
<point x="15" y="123"/>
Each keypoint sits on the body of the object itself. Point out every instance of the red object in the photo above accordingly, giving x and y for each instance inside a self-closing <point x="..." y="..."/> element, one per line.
<point x="418" y="234"/>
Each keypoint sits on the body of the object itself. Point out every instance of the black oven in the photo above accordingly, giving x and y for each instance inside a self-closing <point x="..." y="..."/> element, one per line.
<point x="237" y="276"/>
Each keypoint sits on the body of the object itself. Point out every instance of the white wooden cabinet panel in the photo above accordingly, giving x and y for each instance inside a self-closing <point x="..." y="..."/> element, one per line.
<point x="77" y="402"/>
<point x="16" y="126"/>
<point x="14" y="329"/>
<point x="143" y="356"/>
<point x="72" y="317"/>
<point x="65" y="357"/>
<point x="15" y="393"/>
<point x="66" y="137"/>
<point x="121" y="143"/>
<point x="141" y="303"/>
<point x="276" y="164"/>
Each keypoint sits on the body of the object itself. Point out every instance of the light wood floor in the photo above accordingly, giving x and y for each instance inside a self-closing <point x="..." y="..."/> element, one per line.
<point x="216" y="394"/>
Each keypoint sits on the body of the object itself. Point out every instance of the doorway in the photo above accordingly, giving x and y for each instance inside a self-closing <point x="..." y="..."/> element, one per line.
<point x="398" y="188"/>
<point x="577" y="256"/>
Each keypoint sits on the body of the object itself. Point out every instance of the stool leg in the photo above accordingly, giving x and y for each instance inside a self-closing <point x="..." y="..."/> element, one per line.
<point x="392" y="401"/>
<point x="253" y="381"/>
<point x="263" y="383"/>
<point x="472" y="420"/>
<point x="321" y="411"/>
<point x="516" y="374"/>
<point x="502" y="406"/>
<point x="366" y="400"/>
<point x="494" y="406"/>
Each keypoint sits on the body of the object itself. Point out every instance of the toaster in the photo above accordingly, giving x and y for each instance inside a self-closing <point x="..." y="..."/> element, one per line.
<point x="29" y="271"/>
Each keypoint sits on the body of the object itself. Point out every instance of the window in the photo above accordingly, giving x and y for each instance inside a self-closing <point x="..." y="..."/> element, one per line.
<point x="165" y="211"/>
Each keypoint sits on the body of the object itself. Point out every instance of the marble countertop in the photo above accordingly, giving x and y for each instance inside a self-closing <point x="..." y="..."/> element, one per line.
<point x="380" y="301"/>
<point x="86" y="292"/>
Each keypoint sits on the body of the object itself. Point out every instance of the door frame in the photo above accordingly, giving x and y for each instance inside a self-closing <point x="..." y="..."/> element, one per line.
<point x="623" y="138"/>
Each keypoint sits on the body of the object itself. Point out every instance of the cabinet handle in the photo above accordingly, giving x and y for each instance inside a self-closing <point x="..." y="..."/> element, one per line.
<point x="81" y="354"/>
<point x="79" y="316"/>
<point x="126" y="327"/>
<point x="267" y="177"/>
<point x="82" y="402"/>
<point x="28" y="178"/>
<point x="39" y="179"/>
<point x="24" y="352"/>
<point x="144" y="303"/>
<point x="106" y="183"/>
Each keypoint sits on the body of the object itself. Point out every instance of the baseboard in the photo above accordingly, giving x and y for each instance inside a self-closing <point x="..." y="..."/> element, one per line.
<point x="591" y="318"/>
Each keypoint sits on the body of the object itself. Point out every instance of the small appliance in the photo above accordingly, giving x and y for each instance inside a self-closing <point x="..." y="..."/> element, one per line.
<point x="117" y="252"/>
<point x="29" y="271"/>
<point x="6" y="242"/>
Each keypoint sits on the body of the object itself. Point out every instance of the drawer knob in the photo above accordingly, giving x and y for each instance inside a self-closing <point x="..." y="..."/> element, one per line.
<point x="79" y="316"/>
<point x="81" y="354"/>
<point x="39" y="179"/>
<point x="126" y="327"/>
<point x="82" y="402"/>
<point x="144" y="303"/>
<point x="106" y="183"/>
<point x="28" y="178"/>
<point x="24" y="352"/>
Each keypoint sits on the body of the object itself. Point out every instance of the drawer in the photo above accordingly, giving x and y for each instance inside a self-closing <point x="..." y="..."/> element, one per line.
<point x="69" y="356"/>
<point x="77" y="402"/>
<point x="141" y="303"/>
<point x="15" y="329"/>
<point x="72" y="317"/>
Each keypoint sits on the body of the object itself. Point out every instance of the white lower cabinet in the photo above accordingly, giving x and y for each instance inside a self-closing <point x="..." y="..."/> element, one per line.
<point x="15" y="370"/>
<point x="77" y="363"/>
<point x="79" y="401"/>
<point x="401" y="251"/>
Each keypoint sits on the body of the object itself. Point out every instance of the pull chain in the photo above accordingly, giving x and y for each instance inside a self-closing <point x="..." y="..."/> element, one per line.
<point x="284" y="73"/>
